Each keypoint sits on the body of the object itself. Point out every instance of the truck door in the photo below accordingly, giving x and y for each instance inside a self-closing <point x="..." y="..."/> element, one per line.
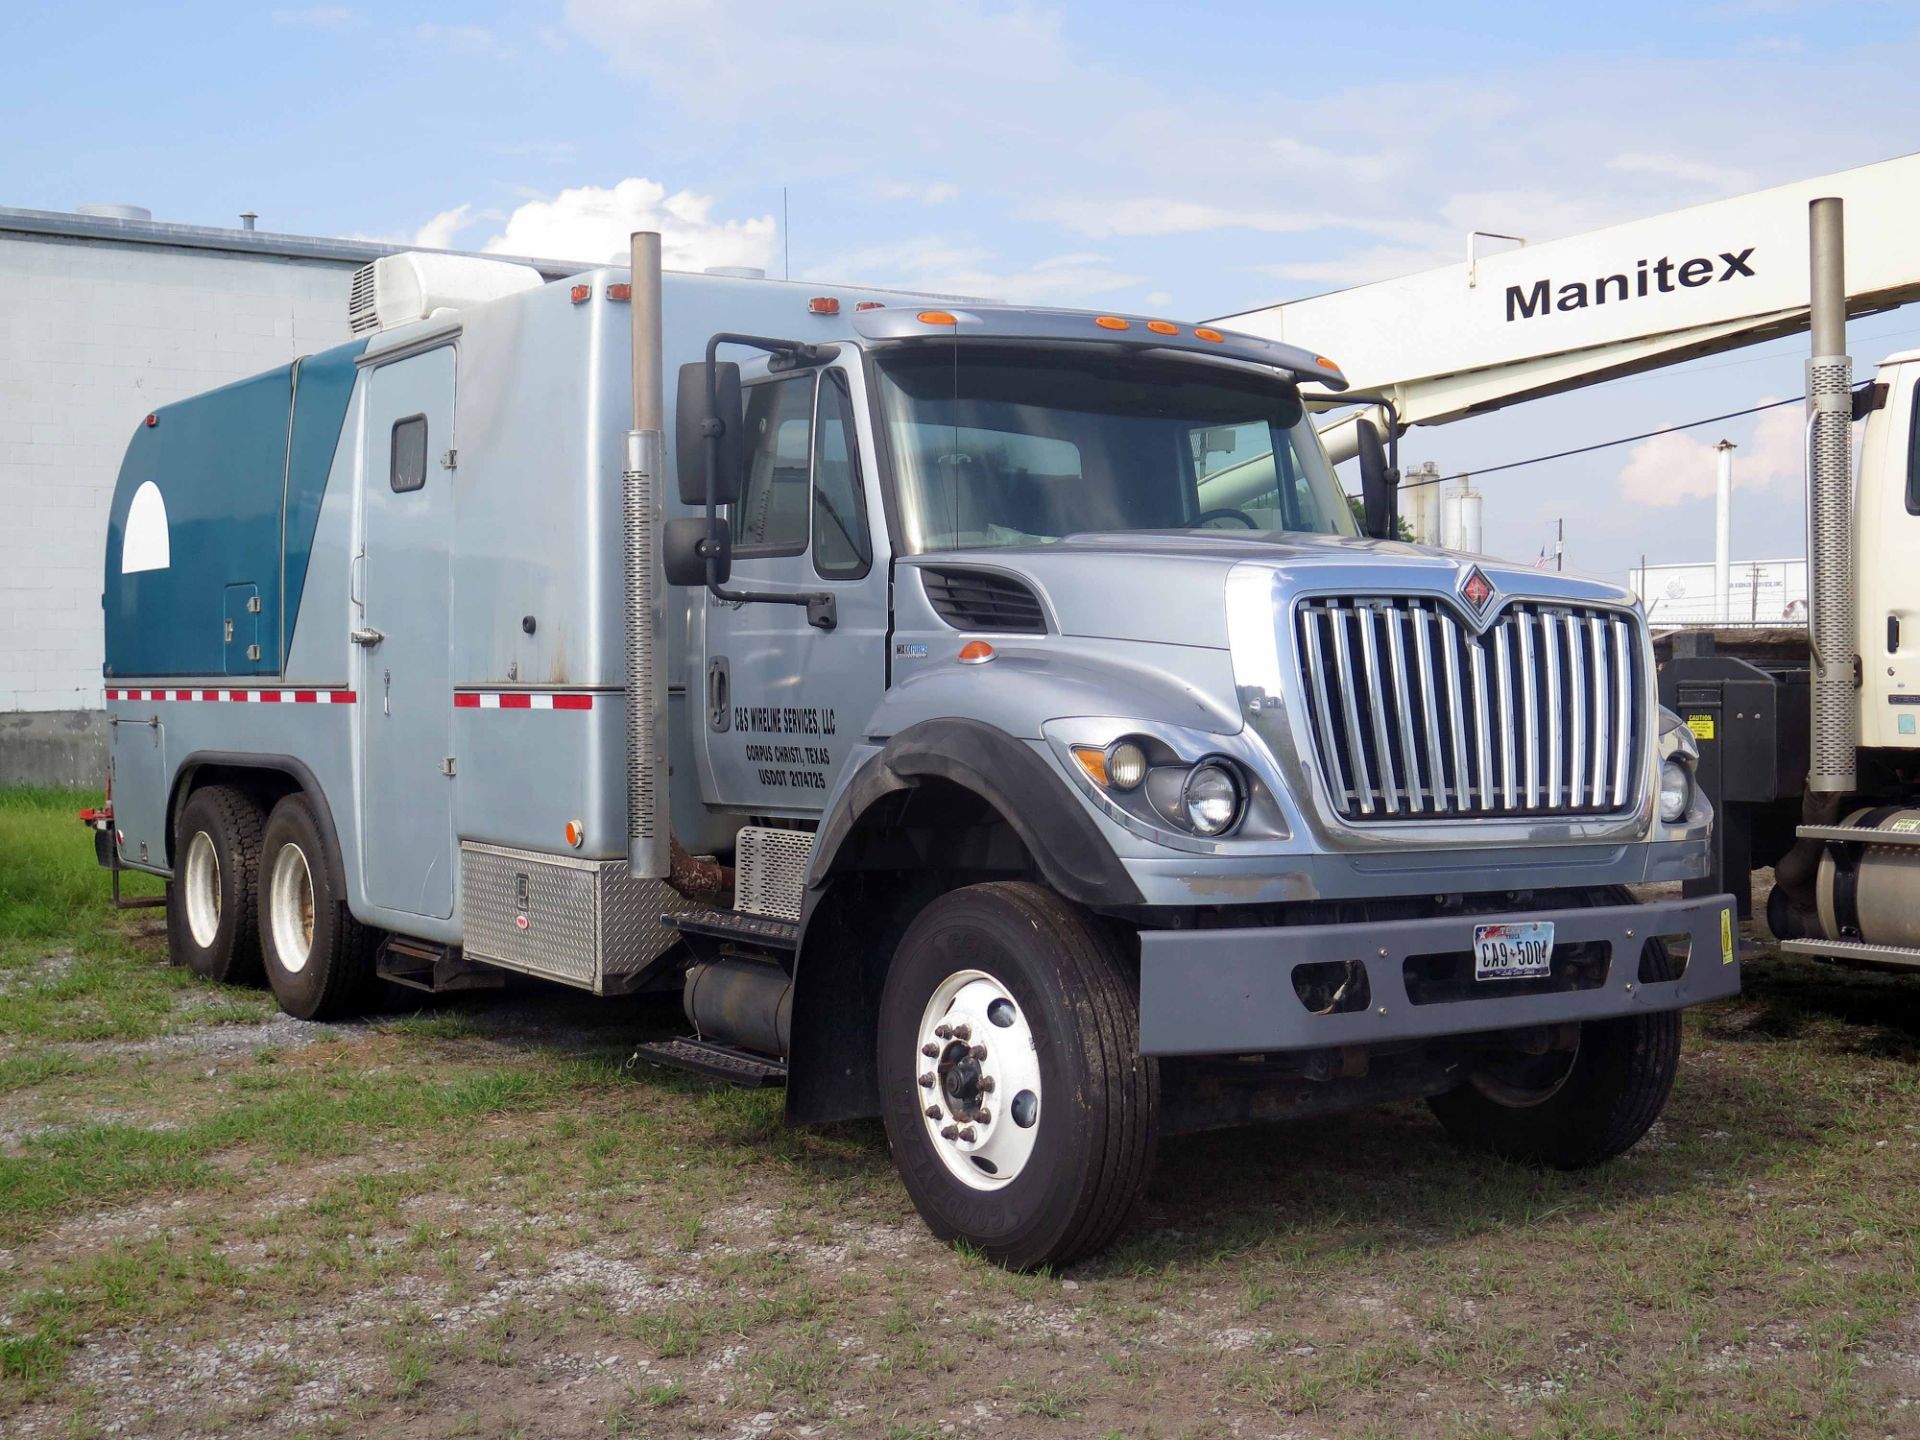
<point x="783" y="699"/>
<point x="1886" y="535"/>
<point x="404" y="594"/>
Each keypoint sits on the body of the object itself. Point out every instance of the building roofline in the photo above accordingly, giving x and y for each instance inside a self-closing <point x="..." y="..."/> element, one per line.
<point x="265" y="244"/>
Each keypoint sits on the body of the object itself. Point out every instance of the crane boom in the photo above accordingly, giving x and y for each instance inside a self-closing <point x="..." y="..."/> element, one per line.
<point x="1540" y="319"/>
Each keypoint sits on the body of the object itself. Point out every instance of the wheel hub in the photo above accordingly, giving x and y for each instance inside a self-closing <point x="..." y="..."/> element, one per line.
<point x="980" y="1093"/>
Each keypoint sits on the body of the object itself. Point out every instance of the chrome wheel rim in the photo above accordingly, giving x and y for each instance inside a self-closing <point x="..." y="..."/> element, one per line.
<point x="202" y="883"/>
<point x="977" y="1080"/>
<point x="290" y="907"/>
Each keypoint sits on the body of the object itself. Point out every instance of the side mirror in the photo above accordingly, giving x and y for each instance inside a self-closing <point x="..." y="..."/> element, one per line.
<point x="1379" y="486"/>
<point x="691" y="430"/>
<point x="684" y="550"/>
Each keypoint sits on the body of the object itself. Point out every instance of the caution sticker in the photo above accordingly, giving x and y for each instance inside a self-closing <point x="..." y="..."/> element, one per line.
<point x="1726" y="937"/>
<point x="1905" y="825"/>
<point x="1701" y="726"/>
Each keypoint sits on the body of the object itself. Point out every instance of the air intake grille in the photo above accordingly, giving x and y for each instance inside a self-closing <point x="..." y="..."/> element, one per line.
<point x="363" y="313"/>
<point x="1415" y="716"/>
<point x="983" y="600"/>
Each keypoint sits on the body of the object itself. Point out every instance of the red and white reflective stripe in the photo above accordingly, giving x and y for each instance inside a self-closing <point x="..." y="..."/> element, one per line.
<point x="523" y="700"/>
<point x="257" y="697"/>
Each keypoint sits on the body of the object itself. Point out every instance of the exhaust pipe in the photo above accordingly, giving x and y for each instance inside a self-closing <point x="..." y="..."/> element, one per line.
<point x="1793" y="908"/>
<point x="642" y="496"/>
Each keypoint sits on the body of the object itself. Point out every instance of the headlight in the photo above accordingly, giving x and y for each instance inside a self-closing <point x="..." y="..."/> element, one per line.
<point x="1211" y="798"/>
<point x="1676" y="791"/>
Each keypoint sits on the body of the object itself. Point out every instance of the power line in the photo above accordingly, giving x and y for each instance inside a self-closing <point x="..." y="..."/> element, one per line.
<point x="1604" y="444"/>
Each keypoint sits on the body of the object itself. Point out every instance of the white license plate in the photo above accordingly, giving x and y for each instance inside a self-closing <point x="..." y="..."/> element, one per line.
<point x="1512" y="952"/>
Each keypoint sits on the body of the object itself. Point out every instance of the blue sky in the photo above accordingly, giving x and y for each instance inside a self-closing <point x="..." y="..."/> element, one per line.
<point x="1194" y="159"/>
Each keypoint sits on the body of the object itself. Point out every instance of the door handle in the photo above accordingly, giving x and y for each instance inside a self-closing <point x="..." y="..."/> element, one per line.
<point x="367" y="636"/>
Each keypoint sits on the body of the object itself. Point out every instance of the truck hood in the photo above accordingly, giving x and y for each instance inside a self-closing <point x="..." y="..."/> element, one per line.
<point x="1169" y="587"/>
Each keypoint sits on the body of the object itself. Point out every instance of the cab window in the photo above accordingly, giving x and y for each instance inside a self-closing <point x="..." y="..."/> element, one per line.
<point x="771" y="517"/>
<point x="841" y="549"/>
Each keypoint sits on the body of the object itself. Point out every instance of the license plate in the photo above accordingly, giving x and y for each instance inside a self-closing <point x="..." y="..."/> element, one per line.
<point x="1512" y="952"/>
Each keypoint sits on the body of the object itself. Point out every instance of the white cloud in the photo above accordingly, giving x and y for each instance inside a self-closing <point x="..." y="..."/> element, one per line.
<point x="438" y="233"/>
<point x="932" y="264"/>
<point x="1686" y="168"/>
<point x="1358" y="267"/>
<point x="1682" y="465"/>
<point x="937" y="192"/>
<point x="320" y="17"/>
<point x="591" y="223"/>
<point x="468" y="39"/>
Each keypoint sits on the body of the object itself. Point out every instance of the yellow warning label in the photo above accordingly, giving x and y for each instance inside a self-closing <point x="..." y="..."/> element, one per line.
<point x="1701" y="726"/>
<point x="1905" y="825"/>
<point x="1726" y="937"/>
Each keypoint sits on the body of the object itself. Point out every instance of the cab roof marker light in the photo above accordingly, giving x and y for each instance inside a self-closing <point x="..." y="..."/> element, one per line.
<point x="871" y="305"/>
<point x="579" y="294"/>
<point x="620" y="292"/>
<point x="1208" y="333"/>
<point x="937" y="317"/>
<point x="1163" y="327"/>
<point x="1111" y="322"/>
<point x="1326" y="364"/>
<point x="823" y="305"/>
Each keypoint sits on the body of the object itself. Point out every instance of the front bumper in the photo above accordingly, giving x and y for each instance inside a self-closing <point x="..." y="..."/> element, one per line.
<point x="1231" y="992"/>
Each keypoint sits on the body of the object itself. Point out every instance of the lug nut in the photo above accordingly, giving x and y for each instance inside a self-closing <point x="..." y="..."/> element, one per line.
<point x="926" y="1081"/>
<point x="950" y="1132"/>
<point x="931" y="1051"/>
<point x="982" y="1116"/>
<point x="933" y="1112"/>
<point x="943" y="1032"/>
<point x="967" y="1134"/>
<point x="963" y="1032"/>
<point x="979" y="1052"/>
<point x="986" y="1084"/>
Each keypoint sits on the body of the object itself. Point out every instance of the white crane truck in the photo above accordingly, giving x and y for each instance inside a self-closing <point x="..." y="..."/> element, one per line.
<point x="1809" y="741"/>
<point x="1080" y="773"/>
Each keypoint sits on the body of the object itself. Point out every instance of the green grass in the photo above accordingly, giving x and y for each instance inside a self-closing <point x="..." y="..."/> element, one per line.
<point x="51" y="887"/>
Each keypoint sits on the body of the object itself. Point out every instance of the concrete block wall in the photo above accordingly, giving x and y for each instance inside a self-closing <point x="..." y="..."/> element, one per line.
<point x="94" y="335"/>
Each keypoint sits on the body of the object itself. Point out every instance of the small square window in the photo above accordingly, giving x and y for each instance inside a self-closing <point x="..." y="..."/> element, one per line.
<point x="409" y="454"/>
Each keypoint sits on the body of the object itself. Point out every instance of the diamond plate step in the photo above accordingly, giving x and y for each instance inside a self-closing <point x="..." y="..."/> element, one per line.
<point x="1854" y="950"/>
<point x="732" y="925"/>
<point x="716" y="1062"/>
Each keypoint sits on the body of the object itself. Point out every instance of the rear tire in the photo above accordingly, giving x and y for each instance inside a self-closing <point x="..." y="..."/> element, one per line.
<point x="213" y="917"/>
<point x="1589" y="1110"/>
<point x="1073" y="1107"/>
<point x="319" y="959"/>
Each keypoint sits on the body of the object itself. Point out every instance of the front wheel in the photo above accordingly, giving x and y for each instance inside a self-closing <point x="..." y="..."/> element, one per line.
<point x="1021" y="1114"/>
<point x="1570" y="1108"/>
<point x="319" y="959"/>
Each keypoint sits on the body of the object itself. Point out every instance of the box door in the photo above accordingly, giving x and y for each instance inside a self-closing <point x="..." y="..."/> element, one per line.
<point x="406" y="699"/>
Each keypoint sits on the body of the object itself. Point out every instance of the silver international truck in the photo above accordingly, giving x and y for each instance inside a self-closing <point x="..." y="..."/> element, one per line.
<point x="990" y="719"/>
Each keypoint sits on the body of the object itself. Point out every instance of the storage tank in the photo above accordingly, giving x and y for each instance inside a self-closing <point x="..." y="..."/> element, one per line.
<point x="1460" y="519"/>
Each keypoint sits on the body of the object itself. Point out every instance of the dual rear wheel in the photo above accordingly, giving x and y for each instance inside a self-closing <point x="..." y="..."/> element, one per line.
<point x="257" y="895"/>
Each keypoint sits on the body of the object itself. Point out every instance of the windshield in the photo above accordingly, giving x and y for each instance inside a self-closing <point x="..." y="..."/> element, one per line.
<point x="997" y="447"/>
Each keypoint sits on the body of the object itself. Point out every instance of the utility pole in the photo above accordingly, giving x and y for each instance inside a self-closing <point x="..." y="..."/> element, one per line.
<point x="1559" y="544"/>
<point x="1723" y="535"/>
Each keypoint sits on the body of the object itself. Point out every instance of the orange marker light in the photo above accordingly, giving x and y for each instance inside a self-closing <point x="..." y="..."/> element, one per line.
<point x="871" y="305"/>
<point x="576" y="834"/>
<point x="620" y="292"/>
<point x="823" y="305"/>
<point x="579" y="294"/>
<point x="1093" y="760"/>
<point x="152" y="420"/>
<point x="1324" y="363"/>
<point x="936" y="317"/>
<point x="976" y="652"/>
<point x="1206" y="334"/>
<point x="1111" y="322"/>
<point x="1163" y="327"/>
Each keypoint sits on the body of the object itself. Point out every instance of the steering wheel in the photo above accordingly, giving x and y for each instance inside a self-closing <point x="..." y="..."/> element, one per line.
<point x="1227" y="513"/>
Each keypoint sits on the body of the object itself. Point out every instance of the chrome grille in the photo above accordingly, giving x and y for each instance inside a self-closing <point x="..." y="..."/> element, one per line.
<point x="1414" y="715"/>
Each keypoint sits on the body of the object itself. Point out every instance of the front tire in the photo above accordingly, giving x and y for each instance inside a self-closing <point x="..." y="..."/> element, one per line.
<point x="1031" y="1011"/>
<point x="319" y="959"/>
<point x="213" y="923"/>
<point x="1571" y="1112"/>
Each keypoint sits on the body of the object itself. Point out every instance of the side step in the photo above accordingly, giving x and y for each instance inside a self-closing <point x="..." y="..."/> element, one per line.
<point x="423" y="965"/>
<point x="1857" y="835"/>
<point x="1894" y="956"/>
<point x="760" y="931"/>
<point x="716" y="1062"/>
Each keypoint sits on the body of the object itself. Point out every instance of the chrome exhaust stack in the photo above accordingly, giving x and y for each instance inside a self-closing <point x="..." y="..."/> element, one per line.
<point x="643" y="497"/>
